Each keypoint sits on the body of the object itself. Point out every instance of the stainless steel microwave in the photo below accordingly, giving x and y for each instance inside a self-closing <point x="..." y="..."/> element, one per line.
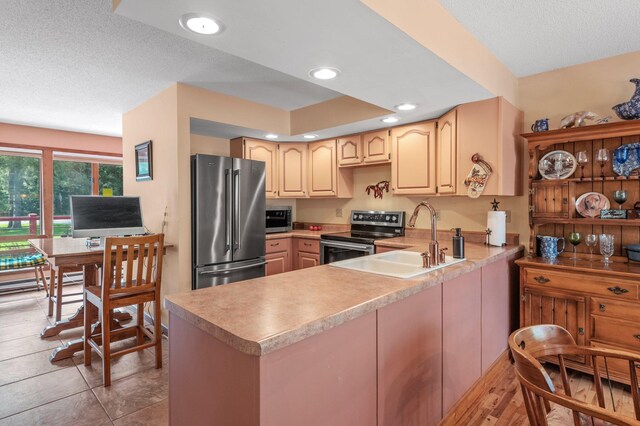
<point x="278" y="219"/>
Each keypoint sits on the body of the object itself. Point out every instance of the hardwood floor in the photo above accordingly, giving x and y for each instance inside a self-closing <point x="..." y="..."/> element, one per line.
<point x="503" y="404"/>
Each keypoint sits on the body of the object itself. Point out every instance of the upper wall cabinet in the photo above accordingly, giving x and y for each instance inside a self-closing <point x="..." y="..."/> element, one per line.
<point x="325" y="179"/>
<point x="252" y="149"/>
<point x="492" y="129"/>
<point x="364" y="149"/>
<point x="446" y="153"/>
<point x="413" y="159"/>
<point x="350" y="150"/>
<point x="292" y="170"/>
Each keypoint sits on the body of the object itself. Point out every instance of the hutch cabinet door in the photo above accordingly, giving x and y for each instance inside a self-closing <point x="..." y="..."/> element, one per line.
<point x="413" y="159"/>
<point x="550" y="199"/>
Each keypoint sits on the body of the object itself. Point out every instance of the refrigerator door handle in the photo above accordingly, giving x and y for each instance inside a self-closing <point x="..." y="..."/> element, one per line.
<point x="239" y="268"/>
<point x="228" y="195"/>
<point x="236" y="208"/>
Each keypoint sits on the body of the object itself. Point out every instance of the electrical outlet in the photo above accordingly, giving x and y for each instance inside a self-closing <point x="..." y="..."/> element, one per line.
<point x="338" y="212"/>
<point x="508" y="215"/>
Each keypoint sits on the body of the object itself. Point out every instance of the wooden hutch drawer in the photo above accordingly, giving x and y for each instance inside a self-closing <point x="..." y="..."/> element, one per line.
<point x="616" y="331"/>
<point x="309" y="246"/>
<point x="615" y="309"/>
<point x="617" y="367"/>
<point x="582" y="283"/>
<point x="276" y="245"/>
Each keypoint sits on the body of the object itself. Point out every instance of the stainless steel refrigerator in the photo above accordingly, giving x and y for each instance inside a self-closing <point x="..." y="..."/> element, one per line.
<point x="228" y="220"/>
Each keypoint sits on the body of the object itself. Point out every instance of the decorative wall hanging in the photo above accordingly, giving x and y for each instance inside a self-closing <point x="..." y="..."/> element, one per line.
<point x="478" y="176"/>
<point x="630" y="110"/>
<point x="378" y="189"/>
<point x="144" y="161"/>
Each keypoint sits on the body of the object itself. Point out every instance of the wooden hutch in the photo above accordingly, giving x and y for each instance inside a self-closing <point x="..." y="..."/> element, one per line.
<point x="599" y="304"/>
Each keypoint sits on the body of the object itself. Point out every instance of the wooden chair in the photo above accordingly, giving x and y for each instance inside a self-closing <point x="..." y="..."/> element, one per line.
<point x="122" y="258"/>
<point x="56" y="296"/>
<point x="530" y="343"/>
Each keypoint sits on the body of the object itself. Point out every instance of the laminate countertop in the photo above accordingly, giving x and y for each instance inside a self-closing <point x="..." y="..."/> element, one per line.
<point x="265" y="314"/>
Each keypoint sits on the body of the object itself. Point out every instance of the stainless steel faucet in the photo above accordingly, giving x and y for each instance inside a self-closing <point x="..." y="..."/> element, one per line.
<point x="433" y="245"/>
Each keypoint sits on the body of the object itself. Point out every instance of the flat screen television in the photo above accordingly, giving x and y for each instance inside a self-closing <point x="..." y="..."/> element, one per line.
<point x="95" y="216"/>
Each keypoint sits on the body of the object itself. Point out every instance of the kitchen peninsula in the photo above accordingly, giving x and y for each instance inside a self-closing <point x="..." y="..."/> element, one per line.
<point x="326" y="345"/>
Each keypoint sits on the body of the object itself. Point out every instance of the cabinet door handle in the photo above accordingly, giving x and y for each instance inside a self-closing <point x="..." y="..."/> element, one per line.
<point x="541" y="279"/>
<point x="275" y="244"/>
<point x="603" y="307"/>
<point x="637" y="336"/>
<point x="581" y="331"/>
<point x="307" y="244"/>
<point x="618" y="290"/>
<point x="637" y="364"/>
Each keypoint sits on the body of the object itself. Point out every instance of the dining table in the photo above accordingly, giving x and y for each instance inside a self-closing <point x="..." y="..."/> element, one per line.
<point x="70" y="252"/>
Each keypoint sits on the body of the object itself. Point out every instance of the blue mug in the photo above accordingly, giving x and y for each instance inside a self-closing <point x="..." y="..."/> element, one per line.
<point x="541" y="125"/>
<point x="549" y="247"/>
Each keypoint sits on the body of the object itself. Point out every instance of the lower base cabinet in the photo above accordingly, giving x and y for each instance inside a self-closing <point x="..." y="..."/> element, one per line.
<point x="278" y="256"/>
<point x="410" y="360"/>
<point x="307" y="252"/>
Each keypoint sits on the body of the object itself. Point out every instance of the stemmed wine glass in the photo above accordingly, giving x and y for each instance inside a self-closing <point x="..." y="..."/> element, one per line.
<point x="606" y="247"/>
<point x="574" y="239"/>
<point x="620" y="196"/>
<point x="602" y="157"/>
<point x="591" y="240"/>
<point x="582" y="160"/>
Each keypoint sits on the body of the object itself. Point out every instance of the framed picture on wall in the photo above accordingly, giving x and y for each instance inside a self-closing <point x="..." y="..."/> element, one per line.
<point x="144" y="162"/>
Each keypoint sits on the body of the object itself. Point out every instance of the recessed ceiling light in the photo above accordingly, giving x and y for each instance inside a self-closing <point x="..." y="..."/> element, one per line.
<point x="200" y="24"/>
<point x="310" y="136"/>
<point x="390" y="120"/>
<point x="271" y="136"/>
<point x="324" y="73"/>
<point x="405" y="107"/>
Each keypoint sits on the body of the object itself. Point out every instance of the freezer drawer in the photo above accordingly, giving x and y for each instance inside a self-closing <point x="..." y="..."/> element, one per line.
<point x="209" y="276"/>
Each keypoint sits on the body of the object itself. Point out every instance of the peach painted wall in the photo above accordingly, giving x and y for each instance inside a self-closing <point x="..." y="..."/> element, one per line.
<point x="49" y="138"/>
<point x="431" y="25"/>
<point x="594" y="86"/>
<point x="209" y="145"/>
<point x="156" y="120"/>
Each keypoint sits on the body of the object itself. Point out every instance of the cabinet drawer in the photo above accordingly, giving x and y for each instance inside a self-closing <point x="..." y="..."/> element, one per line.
<point x="279" y="244"/>
<point x="618" y="368"/>
<point x="309" y="246"/>
<point x="615" y="288"/>
<point x="615" y="308"/>
<point x="616" y="331"/>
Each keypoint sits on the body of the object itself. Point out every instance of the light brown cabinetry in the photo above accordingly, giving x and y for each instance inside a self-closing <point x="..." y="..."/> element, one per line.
<point x="292" y="170"/>
<point x="252" y="149"/>
<point x="278" y="256"/>
<point x="307" y="253"/>
<point x="598" y="305"/>
<point x="350" y="150"/>
<point x="364" y="149"/>
<point x="492" y="129"/>
<point x="325" y="178"/>
<point x="413" y="159"/>
<point x="446" y="152"/>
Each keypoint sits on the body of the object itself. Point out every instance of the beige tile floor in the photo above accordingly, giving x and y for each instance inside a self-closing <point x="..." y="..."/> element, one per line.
<point x="34" y="391"/>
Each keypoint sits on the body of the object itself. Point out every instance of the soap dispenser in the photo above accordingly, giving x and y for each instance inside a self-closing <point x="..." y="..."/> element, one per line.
<point x="458" y="244"/>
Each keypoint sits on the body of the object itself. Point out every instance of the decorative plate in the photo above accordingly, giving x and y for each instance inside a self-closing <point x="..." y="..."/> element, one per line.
<point x="590" y="204"/>
<point x="626" y="159"/>
<point x="557" y="165"/>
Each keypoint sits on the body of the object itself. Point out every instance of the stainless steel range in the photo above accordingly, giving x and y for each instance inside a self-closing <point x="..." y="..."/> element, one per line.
<point x="366" y="228"/>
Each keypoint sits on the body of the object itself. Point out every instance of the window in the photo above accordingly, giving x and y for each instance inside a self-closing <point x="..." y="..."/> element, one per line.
<point x="110" y="177"/>
<point x="19" y="192"/>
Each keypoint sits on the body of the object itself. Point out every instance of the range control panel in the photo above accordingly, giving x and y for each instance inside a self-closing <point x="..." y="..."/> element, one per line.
<point x="378" y="218"/>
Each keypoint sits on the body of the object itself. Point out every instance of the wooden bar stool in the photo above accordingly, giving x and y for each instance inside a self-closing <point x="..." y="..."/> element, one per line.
<point x="125" y="258"/>
<point x="56" y="294"/>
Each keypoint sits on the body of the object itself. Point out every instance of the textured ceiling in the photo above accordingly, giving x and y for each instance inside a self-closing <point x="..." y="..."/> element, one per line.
<point x="530" y="37"/>
<point x="74" y="65"/>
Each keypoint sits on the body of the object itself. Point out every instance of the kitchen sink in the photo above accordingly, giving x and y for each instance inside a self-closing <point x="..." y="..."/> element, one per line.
<point x="397" y="264"/>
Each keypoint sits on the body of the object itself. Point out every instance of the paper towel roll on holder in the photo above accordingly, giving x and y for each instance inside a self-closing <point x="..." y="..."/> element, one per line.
<point x="488" y="239"/>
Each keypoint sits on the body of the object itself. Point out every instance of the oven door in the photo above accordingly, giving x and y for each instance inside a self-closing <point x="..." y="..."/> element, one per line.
<point x="333" y="251"/>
